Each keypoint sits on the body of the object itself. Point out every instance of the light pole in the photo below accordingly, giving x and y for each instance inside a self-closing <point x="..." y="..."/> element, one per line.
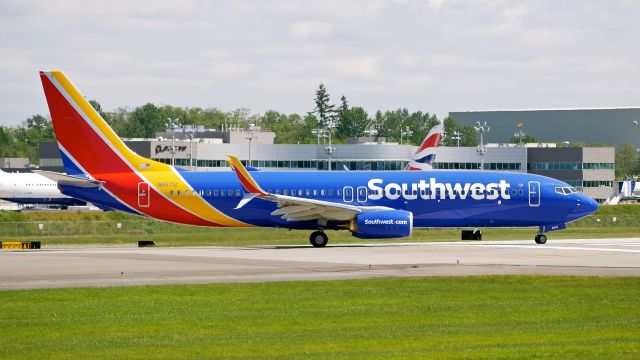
<point x="319" y="133"/>
<point x="190" y="135"/>
<point x="406" y="132"/>
<point x="371" y="131"/>
<point x="329" y="150"/>
<point x="173" y="124"/>
<point x="456" y="136"/>
<point x="482" y="150"/>
<point x="250" y="138"/>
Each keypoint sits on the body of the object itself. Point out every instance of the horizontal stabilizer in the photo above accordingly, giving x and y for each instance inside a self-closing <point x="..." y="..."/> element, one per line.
<point x="63" y="179"/>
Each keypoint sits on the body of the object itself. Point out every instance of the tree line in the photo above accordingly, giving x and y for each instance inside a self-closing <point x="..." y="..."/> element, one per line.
<point x="342" y="118"/>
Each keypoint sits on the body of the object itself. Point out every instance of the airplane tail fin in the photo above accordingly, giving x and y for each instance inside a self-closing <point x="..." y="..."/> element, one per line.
<point x="87" y="143"/>
<point x="425" y="155"/>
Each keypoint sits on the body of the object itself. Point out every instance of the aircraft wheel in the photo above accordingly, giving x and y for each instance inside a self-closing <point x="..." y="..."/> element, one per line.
<point x="318" y="239"/>
<point x="541" y="239"/>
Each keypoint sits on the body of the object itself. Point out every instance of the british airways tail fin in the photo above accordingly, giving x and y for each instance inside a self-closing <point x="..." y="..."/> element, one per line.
<point x="87" y="144"/>
<point x="425" y="155"/>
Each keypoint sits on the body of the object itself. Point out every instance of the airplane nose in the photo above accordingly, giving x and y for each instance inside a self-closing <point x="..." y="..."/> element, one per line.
<point x="584" y="206"/>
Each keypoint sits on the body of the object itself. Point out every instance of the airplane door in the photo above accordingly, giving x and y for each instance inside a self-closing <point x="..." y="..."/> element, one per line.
<point x="143" y="194"/>
<point x="347" y="194"/>
<point x="362" y="194"/>
<point x="534" y="193"/>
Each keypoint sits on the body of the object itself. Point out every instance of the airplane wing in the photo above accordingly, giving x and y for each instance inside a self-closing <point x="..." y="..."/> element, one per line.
<point x="293" y="208"/>
<point x="63" y="179"/>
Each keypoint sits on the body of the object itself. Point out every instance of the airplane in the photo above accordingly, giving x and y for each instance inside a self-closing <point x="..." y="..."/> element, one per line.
<point x="33" y="189"/>
<point x="102" y="170"/>
<point x="425" y="156"/>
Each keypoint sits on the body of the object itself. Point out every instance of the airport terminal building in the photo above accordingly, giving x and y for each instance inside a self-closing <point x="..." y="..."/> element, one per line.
<point x="590" y="170"/>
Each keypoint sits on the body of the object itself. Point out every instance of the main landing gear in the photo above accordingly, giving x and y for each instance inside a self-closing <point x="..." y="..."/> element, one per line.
<point x="318" y="239"/>
<point x="541" y="239"/>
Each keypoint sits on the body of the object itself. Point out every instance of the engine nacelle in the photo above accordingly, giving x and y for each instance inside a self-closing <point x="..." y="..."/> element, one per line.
<point x="382" y="224"/>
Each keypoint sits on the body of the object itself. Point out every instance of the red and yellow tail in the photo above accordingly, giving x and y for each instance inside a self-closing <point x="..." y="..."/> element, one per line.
<point x="90" y="147"/>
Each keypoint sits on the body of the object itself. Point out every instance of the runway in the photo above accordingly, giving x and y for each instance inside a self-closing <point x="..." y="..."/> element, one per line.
<point x="122" y="266"/>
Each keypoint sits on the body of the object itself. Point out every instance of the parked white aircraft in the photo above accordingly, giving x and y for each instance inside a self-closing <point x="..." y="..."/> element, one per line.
<point x="33" y="189"/>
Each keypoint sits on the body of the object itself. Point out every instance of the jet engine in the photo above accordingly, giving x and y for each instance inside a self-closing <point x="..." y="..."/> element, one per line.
<point x="382" y="224"/>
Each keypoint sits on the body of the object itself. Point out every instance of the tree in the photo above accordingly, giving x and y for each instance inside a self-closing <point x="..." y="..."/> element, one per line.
<point x="626" y="161"/>
<point x="468" y="136"/>
<point x="526" y="138"/>
<point x="392" y="122"/>
<point x="34" y="130"/>
<point x="352" y="121"/>
<point x="145" y="121"/>
<point x="325" y="111"/>
<point x="420" y="123"/>
<point x="7" y="142"/>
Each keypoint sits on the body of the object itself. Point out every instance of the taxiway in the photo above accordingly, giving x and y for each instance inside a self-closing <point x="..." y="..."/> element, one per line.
<point x="120" y="266"/>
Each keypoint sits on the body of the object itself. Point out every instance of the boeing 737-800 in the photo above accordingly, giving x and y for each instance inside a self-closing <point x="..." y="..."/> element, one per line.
<point x="370" y="204"/>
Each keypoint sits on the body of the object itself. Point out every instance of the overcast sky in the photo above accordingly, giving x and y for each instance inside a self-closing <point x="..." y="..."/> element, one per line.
<point x="435" y="56"/>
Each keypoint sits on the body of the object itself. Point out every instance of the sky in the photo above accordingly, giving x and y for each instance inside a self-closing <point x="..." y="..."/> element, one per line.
<point x="432" y="55"/>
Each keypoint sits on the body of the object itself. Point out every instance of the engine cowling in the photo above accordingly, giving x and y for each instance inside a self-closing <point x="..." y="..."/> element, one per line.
<point x="382" y="224"/>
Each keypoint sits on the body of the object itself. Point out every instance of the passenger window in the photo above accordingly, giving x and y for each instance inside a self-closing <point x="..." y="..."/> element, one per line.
<point x="315" y="192"/>
<point x="520" y="192"/>
<point x="322" y="192"/>
<point x="514" y="192"/>
<point x="307" y="193"/>
<point x="208" y="192"/>
<point x="215" y="192"/>
<point x="331" y="192"/>
<point x="223" y="192"/>
<point x="179" y="192"/>
<point x="238" y="193"/>
<point x="285" y="192"/>
<point x="186" y="193"/>
<point x="300" y="192"/>
<point x="171" y="193"/>
<point x="277" y="191"/>
<point x="339" y="192"/>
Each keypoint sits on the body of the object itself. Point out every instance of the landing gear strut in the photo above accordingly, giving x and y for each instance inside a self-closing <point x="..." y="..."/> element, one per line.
<point x="318" y="239"/>
<point x="541" y="239"/>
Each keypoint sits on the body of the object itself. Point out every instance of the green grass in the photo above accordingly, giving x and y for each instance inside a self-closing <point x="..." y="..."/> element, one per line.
<point x="487" y="317"/>
<point x="63" y="227"/>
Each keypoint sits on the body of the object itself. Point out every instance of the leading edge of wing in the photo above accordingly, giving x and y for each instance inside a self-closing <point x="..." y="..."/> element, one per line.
<point x="253" y="190"/>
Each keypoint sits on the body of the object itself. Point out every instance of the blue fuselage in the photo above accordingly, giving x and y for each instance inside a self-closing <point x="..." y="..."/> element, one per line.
<point x="436" y="198"/>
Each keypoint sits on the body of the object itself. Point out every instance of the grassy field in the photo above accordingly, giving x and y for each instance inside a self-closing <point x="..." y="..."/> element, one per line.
<point x="62" y="227"/>
<point x="464" y="317"/>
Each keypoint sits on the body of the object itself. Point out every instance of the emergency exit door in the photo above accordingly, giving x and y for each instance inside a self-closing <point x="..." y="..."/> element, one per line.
<point x="143" y="194"/>
<point x="534" y="193"/>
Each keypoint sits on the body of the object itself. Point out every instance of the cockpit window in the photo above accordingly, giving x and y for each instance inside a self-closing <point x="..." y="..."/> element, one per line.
<point x="566" y="190"/>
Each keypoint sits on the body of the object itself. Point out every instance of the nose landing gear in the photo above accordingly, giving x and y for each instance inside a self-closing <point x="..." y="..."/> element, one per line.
<point x="541" y="238"/>
<point x="318" y="239"/>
